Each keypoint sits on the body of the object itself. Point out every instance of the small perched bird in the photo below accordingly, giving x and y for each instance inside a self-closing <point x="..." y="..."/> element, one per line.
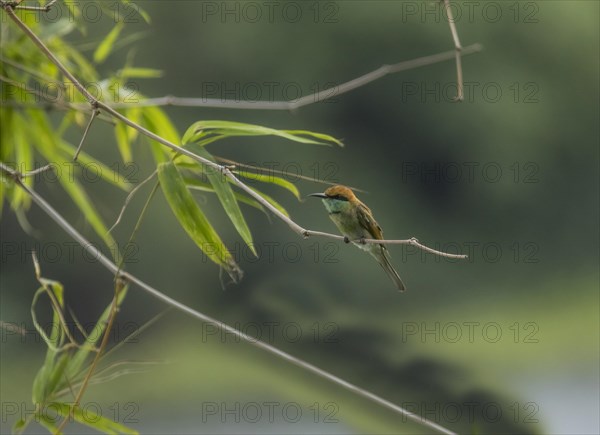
<point x="356" y="222"/>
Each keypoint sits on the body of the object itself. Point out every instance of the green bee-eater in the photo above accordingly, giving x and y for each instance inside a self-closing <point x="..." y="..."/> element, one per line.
<point x="356" y="222"/>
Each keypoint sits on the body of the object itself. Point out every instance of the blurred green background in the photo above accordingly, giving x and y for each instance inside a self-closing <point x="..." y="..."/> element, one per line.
<point x="505" y="342"/>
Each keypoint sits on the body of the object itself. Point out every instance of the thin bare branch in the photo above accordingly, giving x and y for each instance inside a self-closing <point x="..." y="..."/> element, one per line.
<point x="85" y="133"/>
<point x="459" y="51"/>
<point x="38" y="171"/>
<point x="45" y="8"/>
<point x="130" y="197"/>
<point x="51" y="101"/>
<point x="113" y="268"/>
<point x="261" y="170"/>
<point x="317" y="97"/>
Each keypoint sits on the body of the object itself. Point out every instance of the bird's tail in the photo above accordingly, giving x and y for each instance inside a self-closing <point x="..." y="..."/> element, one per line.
<point x="384" y="260"/>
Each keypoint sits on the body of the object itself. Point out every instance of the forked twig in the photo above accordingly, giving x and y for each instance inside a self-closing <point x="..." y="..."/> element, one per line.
<point x="459" y="51"/>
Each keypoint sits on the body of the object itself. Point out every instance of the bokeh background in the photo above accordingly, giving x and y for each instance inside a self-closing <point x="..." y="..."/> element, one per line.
<point x="505" y="342"/>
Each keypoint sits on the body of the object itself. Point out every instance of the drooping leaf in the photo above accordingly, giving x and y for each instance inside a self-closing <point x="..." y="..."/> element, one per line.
<point x="193" y="220"/>
<point x="93" y="337"/>
<point x="205" y="132"/>
<point x="24" y="161"/>
<point x="155" y="120"/>
<point x="140" y="73"/>
<point x="123" y="141"/>
<point x="108" y="174"/>
<point x="270" y="178"/>
<point x="107" y="43"/>
<point x="196" y="184"/>
<point x="43" y="379"/>
<point x="226" y="196"/>
<point x="271" y="201"/>
<point x="46" y="144"/>
<point x="89" y="418"/>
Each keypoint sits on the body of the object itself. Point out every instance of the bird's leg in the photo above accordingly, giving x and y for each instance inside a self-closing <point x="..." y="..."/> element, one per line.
<point x="362" y="241"/>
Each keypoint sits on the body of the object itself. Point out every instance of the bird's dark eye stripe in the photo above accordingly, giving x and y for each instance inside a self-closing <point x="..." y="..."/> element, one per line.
<point x="339" y="197"/>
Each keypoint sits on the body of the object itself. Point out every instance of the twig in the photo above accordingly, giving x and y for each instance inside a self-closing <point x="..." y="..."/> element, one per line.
<point x="459" y="51"/>
<point x="95" y="113"/>
<point x="113" y="268"/>
<point x="316" y="97"/>
<point x="45" y="8"/>
<point x="51" y="101"/>
<point x="261" y="170"/>
<point x="38" y="171"/>
<point x="129" y="198"/>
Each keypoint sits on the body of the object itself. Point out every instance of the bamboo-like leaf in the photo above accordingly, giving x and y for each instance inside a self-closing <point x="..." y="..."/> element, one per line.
<point x="140" y="73"/>
<point x="205" y="132"/>
<point x="270" y="178"/>
<point x="24" y="161"/>
<point x="225" y="194"/>
<point x="271" y="201"/>
<point x="193" y="220"/>
<point x="46" y="144"/>
<point x="42" y="381"/>
<point x="19" y="426"/>
<point x="107" y="43"/>
<point x="94" y="336"/>
<point x="81" y="199"/>
<point x="123" y="142"/>
<point x="108" y="174"/>
<point x="156" y="121"/>
<point x="47" y="422"/>
<point x="137" y="8"/>
<point x="195" y="184"/>
<point x="91" y="419"/>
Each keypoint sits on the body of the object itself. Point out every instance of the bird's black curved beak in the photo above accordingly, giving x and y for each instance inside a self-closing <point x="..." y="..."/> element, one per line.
<point x="318" y="195"/>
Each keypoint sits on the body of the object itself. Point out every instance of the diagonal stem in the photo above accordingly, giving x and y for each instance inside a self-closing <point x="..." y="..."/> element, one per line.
<point x="113" y="268"/>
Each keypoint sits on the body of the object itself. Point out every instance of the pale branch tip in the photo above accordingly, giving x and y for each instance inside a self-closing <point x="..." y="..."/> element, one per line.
<point x="95" y="112"/>
<point x="458" y="49"/>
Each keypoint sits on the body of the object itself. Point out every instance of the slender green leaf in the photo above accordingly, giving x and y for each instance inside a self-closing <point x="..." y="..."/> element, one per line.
<point x="193" y="220"/>
<point x="56" y="377"/>
<point x="89" y="418"/>
<point x="139" y="73"/>
<point x="108" y="174"/>
<point x="271" y="201"/>
<point x="43" y="379"/>
<point x="19" y="426"/>
<point x="225" y="194"/>
<point x="123" y="142"/>
<point x="155" y="120"/>
<point x="270" y="178"/>
<point x="107" y="43"/>
<point x="205" y="132"/>
<point x="46" y="144"/>
<point x="135" y="5"/>
<point x="195" y="184"/>
<point x="24" y="162"/>
<point x="47" y="422"/>
<point x="93" y="337"/>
